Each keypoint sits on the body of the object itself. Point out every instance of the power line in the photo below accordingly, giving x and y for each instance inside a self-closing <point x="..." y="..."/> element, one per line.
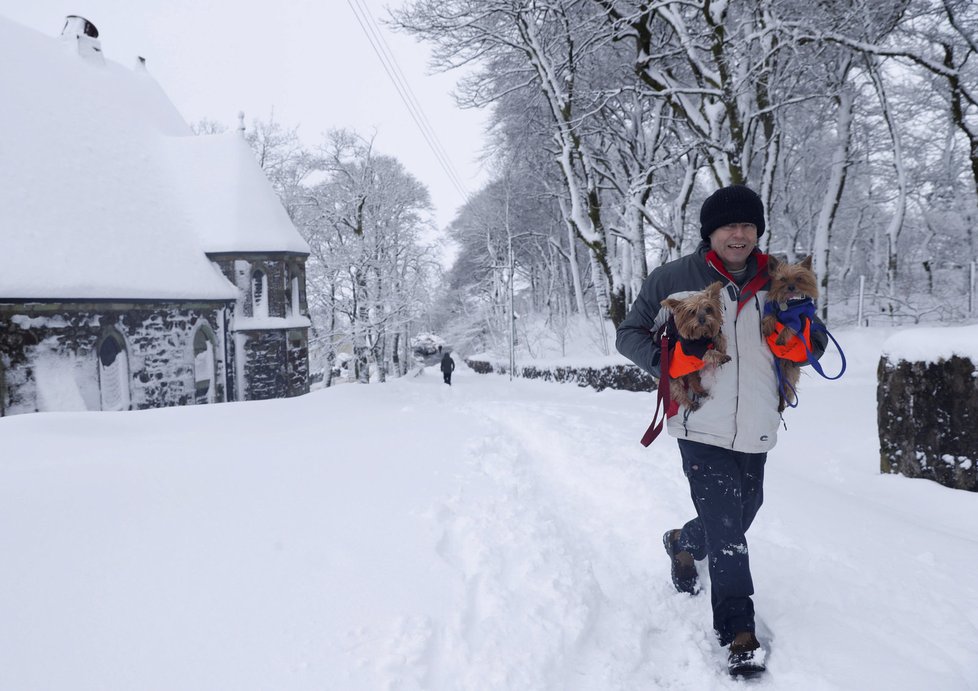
<point x="410" y="92"/>
<point x="396" y="75"/>
<point x="389" y="63"/>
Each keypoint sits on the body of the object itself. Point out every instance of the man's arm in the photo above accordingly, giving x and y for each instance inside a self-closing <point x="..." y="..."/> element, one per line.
<point x="634" y="337"/>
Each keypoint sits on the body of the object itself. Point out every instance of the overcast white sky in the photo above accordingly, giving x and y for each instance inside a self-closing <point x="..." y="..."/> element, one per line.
<point x="307" y="59"/>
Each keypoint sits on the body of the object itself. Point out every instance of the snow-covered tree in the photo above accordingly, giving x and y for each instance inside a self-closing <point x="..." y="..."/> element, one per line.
<point x="534" y="48"/>
<point x="369" y="269"/>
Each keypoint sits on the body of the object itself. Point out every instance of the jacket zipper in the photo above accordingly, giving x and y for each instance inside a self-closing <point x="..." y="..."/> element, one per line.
<point x="733" y="439"/>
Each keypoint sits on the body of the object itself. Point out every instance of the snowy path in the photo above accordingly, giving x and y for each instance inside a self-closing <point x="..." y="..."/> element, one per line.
<point x="491" y="535"/>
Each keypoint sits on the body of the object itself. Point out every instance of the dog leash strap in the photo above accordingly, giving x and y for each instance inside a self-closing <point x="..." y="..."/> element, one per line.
<point x="662" y="396"/>
<point x="813" y="361"/>
<point x="784" y="385"/>
<point x="655" y="428"/>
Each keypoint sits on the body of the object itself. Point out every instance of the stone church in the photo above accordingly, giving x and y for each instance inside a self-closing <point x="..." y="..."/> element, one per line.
<point x="140" y="266"/>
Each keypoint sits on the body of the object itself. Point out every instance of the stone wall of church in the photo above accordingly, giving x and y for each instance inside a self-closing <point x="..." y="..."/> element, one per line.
<point x="298" y="358"/>
<point x="50" y="360"/>
<point x="276" y="363"/>
<point x="279" y="269"/>
<point x="273" y="349"/>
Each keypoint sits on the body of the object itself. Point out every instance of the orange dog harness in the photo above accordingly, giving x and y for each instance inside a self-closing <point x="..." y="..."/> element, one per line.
<point x="795" y="349"/>
<point x="683" y="362"/>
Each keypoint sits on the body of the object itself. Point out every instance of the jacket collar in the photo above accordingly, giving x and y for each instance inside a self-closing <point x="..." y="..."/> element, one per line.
<point x="756" y="269"/>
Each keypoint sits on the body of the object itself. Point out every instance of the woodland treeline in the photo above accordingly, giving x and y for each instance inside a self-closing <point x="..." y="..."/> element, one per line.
<point x="856" y="121"/>
<point x="611" y="121"/>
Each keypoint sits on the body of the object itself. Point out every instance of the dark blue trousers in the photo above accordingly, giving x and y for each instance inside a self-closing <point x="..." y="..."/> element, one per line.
<point x="727" y="489"/>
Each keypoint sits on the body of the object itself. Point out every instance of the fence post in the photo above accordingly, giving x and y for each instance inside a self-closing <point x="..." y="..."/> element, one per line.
<point x="971" y="290"/>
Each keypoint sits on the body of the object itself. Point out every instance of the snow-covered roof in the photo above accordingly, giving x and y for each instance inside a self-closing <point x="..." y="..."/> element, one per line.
<point x="234" y="204"/>
<point x="101" y="184"/>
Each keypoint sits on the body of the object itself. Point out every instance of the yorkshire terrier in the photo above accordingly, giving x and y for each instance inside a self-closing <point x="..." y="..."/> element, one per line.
<point x="791" y="285"/>
<point x="698" y="318"/>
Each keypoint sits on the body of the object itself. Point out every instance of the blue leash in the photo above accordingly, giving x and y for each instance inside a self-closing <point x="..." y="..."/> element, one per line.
<point x="813" y="361"/>
<point x="782" y="384"/>
<point x="793" y="316"/>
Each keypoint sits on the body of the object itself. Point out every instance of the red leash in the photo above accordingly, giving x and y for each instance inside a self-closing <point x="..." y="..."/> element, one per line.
<point x="663" y="399"/>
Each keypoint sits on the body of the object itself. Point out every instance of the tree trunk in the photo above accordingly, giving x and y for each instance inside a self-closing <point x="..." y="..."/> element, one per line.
<point x="832" y="196"/>
<point x="395" y="355"/>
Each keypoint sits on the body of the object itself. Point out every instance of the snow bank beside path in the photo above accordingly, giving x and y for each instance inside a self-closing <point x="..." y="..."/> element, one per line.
<point x="488" y="535"/>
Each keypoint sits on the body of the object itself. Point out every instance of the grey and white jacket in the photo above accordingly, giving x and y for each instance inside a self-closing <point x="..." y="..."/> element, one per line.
<point x="741" y="412"/>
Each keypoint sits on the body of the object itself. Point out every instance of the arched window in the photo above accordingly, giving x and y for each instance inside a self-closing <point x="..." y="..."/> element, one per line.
<point x="259" y="294"/>
<point x="205" y="369"/>
<point x="292" y="292"/>
<point x="113" y="372"/>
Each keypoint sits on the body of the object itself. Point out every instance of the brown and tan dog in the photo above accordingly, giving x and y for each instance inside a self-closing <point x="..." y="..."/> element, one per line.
<point x="698" y="318"/>
<point x="789" y="283"/>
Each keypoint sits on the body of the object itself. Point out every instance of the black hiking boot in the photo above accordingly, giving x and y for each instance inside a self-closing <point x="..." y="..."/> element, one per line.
<point x="746" y="656"/>
<point x="683" y="565"/>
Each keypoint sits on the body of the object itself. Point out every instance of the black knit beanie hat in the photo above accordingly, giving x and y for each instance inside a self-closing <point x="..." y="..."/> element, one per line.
<point x="733" y="204"/>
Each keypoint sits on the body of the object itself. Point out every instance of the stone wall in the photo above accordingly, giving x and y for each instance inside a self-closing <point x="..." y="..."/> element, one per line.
<point x="621" y="377"/>
<point x="298" y="359"/>
<point x="928" y="420"/>
<point x="61" y="340"/>
<point x="274" y="356"/>
<point x="276" y="363"/>
<point x="265" y="371"/>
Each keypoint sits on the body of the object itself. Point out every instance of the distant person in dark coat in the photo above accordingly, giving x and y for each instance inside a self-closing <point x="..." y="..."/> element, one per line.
<point x="447" y="367"/>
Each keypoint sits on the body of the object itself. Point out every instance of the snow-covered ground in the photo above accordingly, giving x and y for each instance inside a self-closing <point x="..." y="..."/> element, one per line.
<point x="491" y="535"/>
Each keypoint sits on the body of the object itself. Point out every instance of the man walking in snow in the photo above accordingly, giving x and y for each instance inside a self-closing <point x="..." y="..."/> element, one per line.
<point x="447" y="367"/>
<point x="724" y="442"/>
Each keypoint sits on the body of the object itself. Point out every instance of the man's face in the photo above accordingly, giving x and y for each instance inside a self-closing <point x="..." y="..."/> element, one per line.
<point x="733" y="243"/>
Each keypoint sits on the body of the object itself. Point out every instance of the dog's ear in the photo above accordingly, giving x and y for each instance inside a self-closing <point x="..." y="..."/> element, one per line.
<point x="670" y="304"/>
<point x="807" y="262"/>
<point x="772" y="263"/>
<point x="713" y="290"/>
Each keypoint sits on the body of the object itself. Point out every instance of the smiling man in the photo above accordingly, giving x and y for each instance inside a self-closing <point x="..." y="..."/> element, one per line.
<point x="723" y="442"/>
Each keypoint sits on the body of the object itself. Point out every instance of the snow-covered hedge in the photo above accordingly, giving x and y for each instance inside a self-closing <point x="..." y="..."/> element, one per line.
<point x="622" y="377"/>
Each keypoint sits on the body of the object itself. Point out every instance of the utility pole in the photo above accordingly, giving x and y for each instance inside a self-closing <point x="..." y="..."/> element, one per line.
<point x="510" y="267"/>
<point x="512" y="270"/>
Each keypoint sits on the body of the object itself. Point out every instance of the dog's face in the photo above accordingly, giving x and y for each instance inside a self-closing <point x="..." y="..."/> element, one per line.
<point x="698" y="315"/>
<point x="791" y="281"/>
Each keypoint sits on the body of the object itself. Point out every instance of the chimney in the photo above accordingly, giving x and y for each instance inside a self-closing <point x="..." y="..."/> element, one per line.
<point x="81" y="34"/>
